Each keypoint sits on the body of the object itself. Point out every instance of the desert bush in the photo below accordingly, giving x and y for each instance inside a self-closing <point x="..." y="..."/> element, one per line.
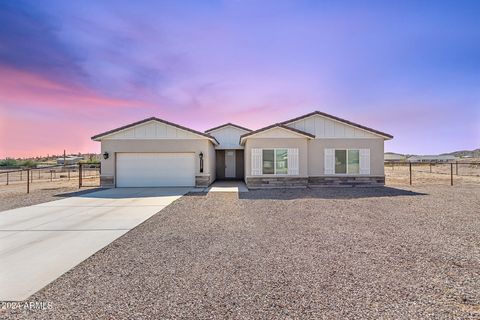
<point x="27" y="163"/>
<point x="8" y="163"/>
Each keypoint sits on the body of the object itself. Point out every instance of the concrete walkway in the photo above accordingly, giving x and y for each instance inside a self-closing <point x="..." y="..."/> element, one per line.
<point x="228" y="186"/>
<point x="39" y="243"/>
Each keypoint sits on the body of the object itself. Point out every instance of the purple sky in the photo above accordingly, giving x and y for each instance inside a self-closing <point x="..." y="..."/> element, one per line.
<point x="69" y="69"/>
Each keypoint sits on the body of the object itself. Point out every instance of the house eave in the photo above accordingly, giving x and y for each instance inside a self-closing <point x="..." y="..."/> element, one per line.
<point x="384" y="135"/>
<point x="250" y="135"/>
<point x="229" y="124"/>
<point x="105" y="134"/>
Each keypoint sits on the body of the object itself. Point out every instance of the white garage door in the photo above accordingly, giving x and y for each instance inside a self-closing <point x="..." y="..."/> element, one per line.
<point x="155" y="169"/>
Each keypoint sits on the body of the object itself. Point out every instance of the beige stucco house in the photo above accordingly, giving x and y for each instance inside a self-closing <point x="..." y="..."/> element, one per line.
<point x="316" y="149"/>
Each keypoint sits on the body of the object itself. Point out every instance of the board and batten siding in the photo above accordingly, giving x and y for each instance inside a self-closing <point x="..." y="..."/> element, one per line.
<point x="152" y="130"/>
<point x="323" y="127"/>
<point x="228" y="137"/>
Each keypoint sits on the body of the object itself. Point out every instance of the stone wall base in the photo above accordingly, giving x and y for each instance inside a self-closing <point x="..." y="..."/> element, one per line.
<point x="341" y="181"/>
<point x="276" y="182"/>
<point x="200" y="181"/>
<point x="106" y="182"/>
<point x="324" y="181"/>
<point x="203" y="181"/>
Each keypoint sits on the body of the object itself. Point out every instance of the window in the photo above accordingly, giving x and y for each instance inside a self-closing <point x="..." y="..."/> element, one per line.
<point x="268" y="162"/>
<point x="340" y="161"/>
<point x="353" y="161"/>
<point x="275" y="161"/>
<point x="347" y="161"/>
<point x="281" y="166"/>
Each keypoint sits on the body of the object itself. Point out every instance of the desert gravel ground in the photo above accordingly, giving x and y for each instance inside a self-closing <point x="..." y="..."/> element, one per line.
<point x="391" y="253"/>
<point x="15" y="195"/>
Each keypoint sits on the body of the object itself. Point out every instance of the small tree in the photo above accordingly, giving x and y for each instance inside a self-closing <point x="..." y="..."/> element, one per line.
<point x="8" y="163"/>
<point x="28" y="164"/>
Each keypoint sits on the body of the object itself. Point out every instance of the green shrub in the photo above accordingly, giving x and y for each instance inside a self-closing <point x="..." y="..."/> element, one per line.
<point x="8" y="163"/>
<point x="28" y="163"/>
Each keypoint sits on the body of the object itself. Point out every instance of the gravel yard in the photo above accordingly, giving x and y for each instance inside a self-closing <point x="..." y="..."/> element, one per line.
<point x="15" y="195"/>
<point x="315" y="253"/>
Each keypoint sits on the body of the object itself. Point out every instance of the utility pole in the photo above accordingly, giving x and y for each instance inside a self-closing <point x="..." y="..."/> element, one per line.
<point x="64" y="158"/>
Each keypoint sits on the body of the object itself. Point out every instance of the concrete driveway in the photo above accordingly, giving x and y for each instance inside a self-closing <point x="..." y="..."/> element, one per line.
<point x="39" y="243"/>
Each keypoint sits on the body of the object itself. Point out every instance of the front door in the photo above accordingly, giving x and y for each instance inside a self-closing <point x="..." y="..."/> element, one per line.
<point x="229" y="163"/>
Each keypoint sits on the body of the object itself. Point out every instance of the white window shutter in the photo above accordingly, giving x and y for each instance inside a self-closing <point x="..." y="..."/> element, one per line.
<point x="292" y="161"/>
<point x="364" y="161"/>
<point x="329" y="161"/>
<point x="256" y="162"/>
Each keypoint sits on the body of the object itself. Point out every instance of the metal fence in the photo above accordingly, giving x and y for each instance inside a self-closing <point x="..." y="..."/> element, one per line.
<point x="88" y="175"/>
<point x="451" y="173"/>
<point x="81" y="175"/>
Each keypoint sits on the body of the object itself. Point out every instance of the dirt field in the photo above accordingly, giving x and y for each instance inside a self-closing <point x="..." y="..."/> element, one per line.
<point x="42" y="189"/>
<point x="398" y="175"/>
<point x="325" y="253"/>
<point x="45" y="175"/>
<point x="15" y="195"/>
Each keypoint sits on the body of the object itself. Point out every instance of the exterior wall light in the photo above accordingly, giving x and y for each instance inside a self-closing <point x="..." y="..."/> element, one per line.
<point x="105" y="155"/>
<point x="201" y="161"/>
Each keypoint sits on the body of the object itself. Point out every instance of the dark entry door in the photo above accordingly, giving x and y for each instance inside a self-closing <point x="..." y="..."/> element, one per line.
<point x="229" y="163"/>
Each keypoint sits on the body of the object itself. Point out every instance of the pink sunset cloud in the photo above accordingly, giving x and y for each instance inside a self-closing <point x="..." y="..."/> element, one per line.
<point x="66" y="75"/>
<point x="40" y="116"/>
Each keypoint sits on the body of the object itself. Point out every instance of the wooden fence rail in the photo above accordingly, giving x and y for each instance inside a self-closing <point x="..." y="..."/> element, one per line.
<point x="470" y="169"/>
<point x="50" y="174"/>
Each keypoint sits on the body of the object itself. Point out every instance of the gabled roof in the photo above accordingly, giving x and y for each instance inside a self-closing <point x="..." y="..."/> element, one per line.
<point x="226" y="125"/>
<point x="383" y="134"/>
<point x="106" y="133"/>
<point x="276" y="125"/>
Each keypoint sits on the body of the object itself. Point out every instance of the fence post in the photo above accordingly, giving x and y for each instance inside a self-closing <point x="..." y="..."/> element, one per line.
<point x="7" y="178"/>
<point x="21" y="175"/>
<point x="51" y="175"/>
<point x="430" y="167"/>
<point x="31" y="176"/>
<point x="456" y="168"/>
<point x="451" y="174"/>
<point x="68" y="174"/>
<point x="79" y="175"/>
<point x="410" y="169"/>
<point x="28" y="181"/>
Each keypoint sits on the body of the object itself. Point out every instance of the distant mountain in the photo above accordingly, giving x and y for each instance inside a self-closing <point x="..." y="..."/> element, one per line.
<point x="465" y="153"/>
<point x="459" y="154"/>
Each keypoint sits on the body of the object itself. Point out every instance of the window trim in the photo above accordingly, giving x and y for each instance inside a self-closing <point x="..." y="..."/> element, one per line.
<point x="275" y="162"/>
<point x="346" y="162"/>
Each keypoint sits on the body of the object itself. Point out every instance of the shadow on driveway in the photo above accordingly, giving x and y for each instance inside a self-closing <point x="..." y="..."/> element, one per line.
<point x="126" y="193"/>
<point x="327" y="193"/>
<point x="77" y="193"/>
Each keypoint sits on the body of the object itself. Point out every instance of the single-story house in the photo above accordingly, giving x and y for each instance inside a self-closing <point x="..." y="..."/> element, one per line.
<point x="316" y="149"/>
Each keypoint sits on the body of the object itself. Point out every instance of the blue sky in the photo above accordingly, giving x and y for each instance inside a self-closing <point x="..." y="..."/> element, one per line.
<point x="411" y="69"/>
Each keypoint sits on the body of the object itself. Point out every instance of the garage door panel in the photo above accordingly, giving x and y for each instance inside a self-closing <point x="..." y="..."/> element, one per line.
<point x="155" y="169"/>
